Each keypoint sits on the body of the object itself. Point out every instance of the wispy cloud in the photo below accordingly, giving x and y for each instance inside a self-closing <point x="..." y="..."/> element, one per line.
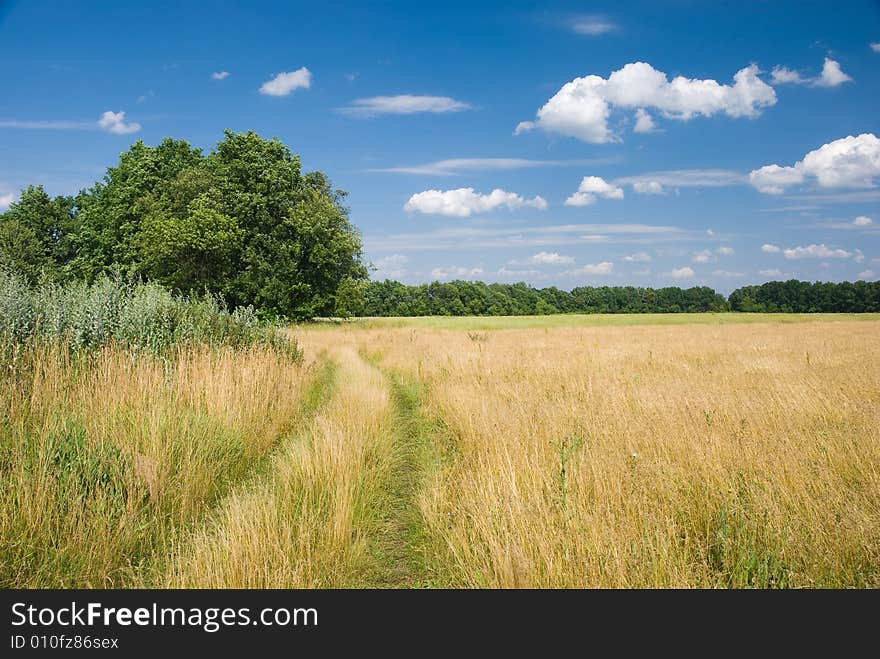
<point x="455" y="271"/>
<point x="684" y="178"/>
<point x="592" y="26"/>
<point x="603" y="268"/>
<point x="6" y="200"/>
<point x="110" y="122"/>
<point x="459" y="166"/>
<point x="50" y="124"/>
<point x="458" y="238"/>
<point x="219" y="75"/>
<point x="815" y="251"/>
<point x="403" y="104"/>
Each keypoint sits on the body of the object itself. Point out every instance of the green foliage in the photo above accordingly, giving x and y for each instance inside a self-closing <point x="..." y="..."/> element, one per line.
<point x="466" y="298"/>
<point x="140" y="316"/>
<point x="242" y="222"/>
<point x="795" y="296"/>
<point x="36" y="233"/>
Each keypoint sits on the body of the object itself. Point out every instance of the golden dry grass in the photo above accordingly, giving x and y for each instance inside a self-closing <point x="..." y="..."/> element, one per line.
<point x="103" y="457"/>
<point x="693" y="456"/>
<point x="306" y="524"/>
<point x="732" y="455"/>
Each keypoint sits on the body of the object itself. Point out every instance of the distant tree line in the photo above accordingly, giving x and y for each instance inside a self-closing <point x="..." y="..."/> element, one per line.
<point x="243" y="222"/>
<point x="475" y="298"/>
<point x="795" y="296"/>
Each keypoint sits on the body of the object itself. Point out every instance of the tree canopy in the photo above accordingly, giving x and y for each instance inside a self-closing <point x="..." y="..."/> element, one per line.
<point x="243" y="221"/>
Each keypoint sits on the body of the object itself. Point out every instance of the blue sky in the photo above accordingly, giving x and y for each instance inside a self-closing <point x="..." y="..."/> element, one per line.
<point x="644" y="143"/>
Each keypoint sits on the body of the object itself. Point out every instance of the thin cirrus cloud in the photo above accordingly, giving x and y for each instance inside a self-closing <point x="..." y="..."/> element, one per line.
<point x="459" y="237"/>
<point x="592" y="26"/>
<point x="815" y="251"/>
<point x="656" y="182"/>
<point x="458" y="166"/>
<point x="831" y="76"/>
<point x="648" y="187"/>
<point x="109" y="122"/>
<point x="287" y="82"/>
<point x="590" y="189"/>
<point x="603" y="268"/>
<point x="403" y="104"/>
<point x="582" y="108"/>
<point x="464" y="202"/>
<point x="392" y="266"/>
<point x="849" y="162"/>
<point x="455" y="271"/>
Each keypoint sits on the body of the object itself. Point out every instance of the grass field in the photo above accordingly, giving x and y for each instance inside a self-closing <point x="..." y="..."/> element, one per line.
<point x="713" y="450"/>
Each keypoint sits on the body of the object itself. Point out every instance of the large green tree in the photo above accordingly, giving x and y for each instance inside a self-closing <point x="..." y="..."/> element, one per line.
<point x="243" y="221"/>
<point x="36" y="233"/>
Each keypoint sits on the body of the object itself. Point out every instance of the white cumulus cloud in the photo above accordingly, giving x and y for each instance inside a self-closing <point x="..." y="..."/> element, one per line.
<point x="462" y="202"/>
<point x="582" y="107"/>
<point x="403" y="104"/>
<point x="831" y="76"/>
<point x="682" y="273"/>
<point x="815" y="251"/>
<point x="863" y="221"/>
<point x="590" y="189"/>
<point x="114" y="122"/>
<point x="850" y="162"/>
<point x="644" y="122"/>
<point x="770" y="249"/>
<point x="286" y="82"/>
<point x="703" y="256"/>
<point x="6" y="200"/>
<point x="773" y="179"/>
<point x="725" y="251"/>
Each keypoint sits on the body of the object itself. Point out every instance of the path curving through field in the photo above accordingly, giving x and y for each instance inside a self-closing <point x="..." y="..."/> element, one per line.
<point x="336" y="504"/>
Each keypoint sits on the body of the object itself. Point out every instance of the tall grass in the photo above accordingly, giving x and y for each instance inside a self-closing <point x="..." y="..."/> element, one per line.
<point x="700" y="456"/>
<point x="126" y="413"/>
<point x="307" y="523"/>
<point x="139" y="316"/>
